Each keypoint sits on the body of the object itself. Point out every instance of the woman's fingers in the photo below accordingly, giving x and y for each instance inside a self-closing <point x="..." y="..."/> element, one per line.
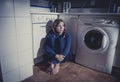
<point x="59" y="57"/>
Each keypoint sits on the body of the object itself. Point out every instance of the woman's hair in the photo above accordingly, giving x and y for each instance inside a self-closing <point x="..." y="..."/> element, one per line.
<point x="56" y="22"/>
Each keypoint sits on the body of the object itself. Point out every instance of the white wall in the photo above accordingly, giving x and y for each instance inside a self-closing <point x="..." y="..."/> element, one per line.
<point x="15" y="40"/>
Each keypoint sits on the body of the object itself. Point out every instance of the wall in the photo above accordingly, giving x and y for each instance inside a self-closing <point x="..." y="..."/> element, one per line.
<point x="99" y="6"/>
<point x="39" y="6"/>
<point x="15" y="40"/>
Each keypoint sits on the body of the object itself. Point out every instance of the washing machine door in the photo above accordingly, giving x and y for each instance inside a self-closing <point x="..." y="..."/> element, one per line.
<point x="95" y="40"/>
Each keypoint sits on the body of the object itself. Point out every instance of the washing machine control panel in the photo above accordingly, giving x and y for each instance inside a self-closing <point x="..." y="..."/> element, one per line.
<point x="108" y="22"/>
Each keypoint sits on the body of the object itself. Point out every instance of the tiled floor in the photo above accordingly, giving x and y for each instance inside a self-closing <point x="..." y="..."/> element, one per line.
<point x="69" y="72"/>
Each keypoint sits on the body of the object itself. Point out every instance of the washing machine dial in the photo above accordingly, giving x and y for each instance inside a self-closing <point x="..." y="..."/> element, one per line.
<point x="109" y="22"/>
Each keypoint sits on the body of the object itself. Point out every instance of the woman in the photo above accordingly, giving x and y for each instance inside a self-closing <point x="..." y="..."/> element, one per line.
<point x="57" y="45"/>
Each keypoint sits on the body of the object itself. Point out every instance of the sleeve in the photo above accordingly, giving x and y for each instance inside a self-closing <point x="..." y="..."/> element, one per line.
<point x="47" y="48"/>
<point x="67" y="45"/>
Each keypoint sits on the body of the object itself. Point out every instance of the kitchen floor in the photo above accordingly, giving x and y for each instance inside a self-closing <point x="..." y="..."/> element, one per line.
<point x="69" y="72"/>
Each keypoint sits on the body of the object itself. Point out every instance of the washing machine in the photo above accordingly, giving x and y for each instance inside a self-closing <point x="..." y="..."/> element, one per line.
<point x="97" y="39"/>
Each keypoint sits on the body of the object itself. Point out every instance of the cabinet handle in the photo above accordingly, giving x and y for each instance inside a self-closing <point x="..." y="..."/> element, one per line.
<point x="42" y="26"/>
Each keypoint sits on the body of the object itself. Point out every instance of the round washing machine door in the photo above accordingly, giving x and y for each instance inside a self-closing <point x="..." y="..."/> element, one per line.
<point x="95" y="39"/>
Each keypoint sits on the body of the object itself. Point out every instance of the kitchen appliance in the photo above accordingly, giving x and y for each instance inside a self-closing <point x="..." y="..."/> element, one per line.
<point x="97" y="39"/>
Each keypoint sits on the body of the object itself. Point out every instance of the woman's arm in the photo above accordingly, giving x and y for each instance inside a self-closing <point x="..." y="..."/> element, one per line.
<point x="66" y="50"/>
<point x="47" y="48"/>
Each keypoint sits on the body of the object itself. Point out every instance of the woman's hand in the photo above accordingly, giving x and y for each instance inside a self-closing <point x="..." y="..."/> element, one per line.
<point x="59" y="57"/>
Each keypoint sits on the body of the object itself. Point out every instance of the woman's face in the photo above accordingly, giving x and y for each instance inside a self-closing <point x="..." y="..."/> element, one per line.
<point x="60" y="28"/>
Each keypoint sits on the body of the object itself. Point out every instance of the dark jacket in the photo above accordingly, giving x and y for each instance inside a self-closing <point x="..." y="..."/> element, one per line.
<point x="63" y="44"/>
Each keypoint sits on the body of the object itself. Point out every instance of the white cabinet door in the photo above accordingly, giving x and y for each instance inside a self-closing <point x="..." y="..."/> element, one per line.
<point x="23" y="25"/>
<point x="39" y="32"/>
<point x="7" y="37"/>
